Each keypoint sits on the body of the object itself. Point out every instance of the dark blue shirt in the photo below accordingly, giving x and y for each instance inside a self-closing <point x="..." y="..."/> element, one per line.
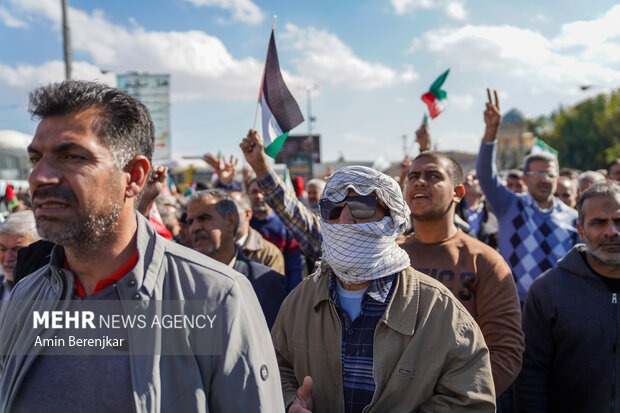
<point x="357" y="342"/>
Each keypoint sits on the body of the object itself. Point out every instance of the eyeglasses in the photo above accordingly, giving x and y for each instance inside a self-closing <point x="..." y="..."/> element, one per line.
<point x="536" y="174"/>
<point x="360" y="207"/>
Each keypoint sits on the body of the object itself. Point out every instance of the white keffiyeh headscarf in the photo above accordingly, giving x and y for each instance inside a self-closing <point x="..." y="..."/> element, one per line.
<point x="363" y="252"/>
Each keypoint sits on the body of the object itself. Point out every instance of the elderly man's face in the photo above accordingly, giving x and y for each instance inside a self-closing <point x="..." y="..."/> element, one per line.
<point x="314" y="194"/>
<point x="9" y="244"/>
<point x="76" y="189"/>
<point x="210" y="232"/>
<point x="601" y="228"/>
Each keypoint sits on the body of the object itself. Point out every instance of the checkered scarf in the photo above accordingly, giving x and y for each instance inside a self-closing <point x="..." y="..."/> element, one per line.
<point x="363" y="252"/>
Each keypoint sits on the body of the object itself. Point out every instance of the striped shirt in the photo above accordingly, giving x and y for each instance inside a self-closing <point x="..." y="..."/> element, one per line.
<point x="357" y="342"/>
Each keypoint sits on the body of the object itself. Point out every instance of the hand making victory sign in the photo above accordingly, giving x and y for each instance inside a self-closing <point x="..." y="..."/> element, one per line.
<point x="492" y="118"/>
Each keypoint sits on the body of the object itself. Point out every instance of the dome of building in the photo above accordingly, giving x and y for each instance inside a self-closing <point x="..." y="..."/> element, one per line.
<point x="514" y="117"/>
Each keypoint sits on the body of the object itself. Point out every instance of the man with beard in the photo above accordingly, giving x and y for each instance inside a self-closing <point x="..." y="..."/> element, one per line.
<point x="474" y="272"/>
<point x="90" y="158"/>
<point x="213" y="221"/>
<point x="376" y="336"/>
<point x="571" y="318"/>
<point x="17" y="231"/>
<point x="535" y="228"/>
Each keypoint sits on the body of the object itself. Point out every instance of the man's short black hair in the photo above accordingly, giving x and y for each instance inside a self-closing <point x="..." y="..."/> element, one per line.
<point x="123" y="125"/>
<point x="606" y="188"/>
<point x="454" y="169"/>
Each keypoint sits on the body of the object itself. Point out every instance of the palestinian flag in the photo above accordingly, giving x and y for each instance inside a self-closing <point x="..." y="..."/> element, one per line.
<point x="11" y="198"/>
<point x="279" y="109"/>
<point x="435" y="95"/>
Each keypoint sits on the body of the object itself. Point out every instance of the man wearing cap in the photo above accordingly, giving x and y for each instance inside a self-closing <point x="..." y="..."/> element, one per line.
<point x="374" y="327"/>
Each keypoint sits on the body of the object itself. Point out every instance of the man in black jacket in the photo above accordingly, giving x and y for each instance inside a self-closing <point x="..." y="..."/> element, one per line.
<point x="571" y="318"/>
<point x="213" y="221"/>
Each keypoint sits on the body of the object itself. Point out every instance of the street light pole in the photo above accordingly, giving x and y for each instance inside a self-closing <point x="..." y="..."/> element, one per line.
<point x="309" y="103"/>
<point x="66" y="37"/>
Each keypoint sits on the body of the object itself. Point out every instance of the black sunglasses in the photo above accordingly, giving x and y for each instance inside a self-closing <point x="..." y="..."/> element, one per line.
<point x="360" y="207"/>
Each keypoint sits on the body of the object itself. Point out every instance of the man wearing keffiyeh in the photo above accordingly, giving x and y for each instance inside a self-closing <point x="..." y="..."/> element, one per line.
<point x="367" y="326"/>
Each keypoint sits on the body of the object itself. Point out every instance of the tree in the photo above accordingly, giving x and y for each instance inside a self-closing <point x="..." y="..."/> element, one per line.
<point x="587" y="135"/>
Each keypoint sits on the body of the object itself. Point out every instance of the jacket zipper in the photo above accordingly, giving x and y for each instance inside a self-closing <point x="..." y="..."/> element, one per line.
<point x="614" y="344"/>
<point x="118" y="296"/>
<point x="332" y="306"/>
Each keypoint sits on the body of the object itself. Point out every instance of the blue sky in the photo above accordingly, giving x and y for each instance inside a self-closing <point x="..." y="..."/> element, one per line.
<point x="373" y="59"/>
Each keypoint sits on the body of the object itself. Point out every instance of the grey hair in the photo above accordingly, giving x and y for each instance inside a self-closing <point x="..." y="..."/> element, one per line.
<point x="591" y="176"/>
<point x="606" y="188"/>
<point x="319" y="183"/>
<point x="242" y="200"/>
<point x="123" y="124"/>
<point x="540" y="156"/>
<point x="18" y="223"/>
<point x="224" y="206"/>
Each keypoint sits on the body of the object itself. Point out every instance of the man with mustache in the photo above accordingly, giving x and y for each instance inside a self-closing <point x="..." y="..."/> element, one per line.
<point x="17" y="231"/>
<point x="213" y="221"/>
<point x="535" y="228"/>
<point x="571" y="318"/>
<point x="91" y="159"/>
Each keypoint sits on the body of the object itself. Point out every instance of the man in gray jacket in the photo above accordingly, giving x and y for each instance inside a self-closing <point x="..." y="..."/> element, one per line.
<point x="90" y="162"/>
<point x="571" y="318"/>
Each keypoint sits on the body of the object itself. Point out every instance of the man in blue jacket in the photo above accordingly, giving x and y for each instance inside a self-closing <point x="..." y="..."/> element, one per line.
<point x="571" y="319"/>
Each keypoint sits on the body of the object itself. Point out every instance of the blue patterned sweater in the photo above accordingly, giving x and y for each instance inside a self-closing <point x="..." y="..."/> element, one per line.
<point x="530" y="240"/>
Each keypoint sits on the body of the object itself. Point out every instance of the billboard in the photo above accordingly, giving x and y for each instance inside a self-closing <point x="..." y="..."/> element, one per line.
<point x="154" y="92"/>
<point x="299" y="153"/>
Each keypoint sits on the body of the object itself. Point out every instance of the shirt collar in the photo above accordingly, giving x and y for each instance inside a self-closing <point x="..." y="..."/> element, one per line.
<point x="378" y="290"/>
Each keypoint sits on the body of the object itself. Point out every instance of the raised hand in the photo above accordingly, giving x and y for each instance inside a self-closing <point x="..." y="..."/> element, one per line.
<point x="423" y="138"/>
<point x="404" y="170"/>
<point x="154" y="187"/>
<point x="253" y="149"/>
<point x="303" y="401"/>
<point x="492" y="117"/>
<point x="226" y="170"/>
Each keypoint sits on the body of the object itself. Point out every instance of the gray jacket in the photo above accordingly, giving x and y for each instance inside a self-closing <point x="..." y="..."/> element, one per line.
<point x="244" y="377"/>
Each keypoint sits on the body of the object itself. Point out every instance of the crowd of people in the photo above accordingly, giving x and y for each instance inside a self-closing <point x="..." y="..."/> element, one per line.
<point x="438" y="291"/>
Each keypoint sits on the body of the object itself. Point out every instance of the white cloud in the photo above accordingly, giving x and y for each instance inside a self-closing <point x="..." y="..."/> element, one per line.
<point x="10" y="20"/>
<point x="242" y="10"/>
<point x="456" y="141"/>
<point x="329" y="59"/>
<point x="460" y="102"/>
<point x="583" y="51"/>
<point x="453" y="8"/>
<point x="27" y="77"/>
<point x="199" y="64"/>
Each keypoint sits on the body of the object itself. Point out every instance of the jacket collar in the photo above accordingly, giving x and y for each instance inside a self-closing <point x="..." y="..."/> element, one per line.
<point x="254" y="241"/>
<point x="402" y="310"/>
<point x="144" y="275"/>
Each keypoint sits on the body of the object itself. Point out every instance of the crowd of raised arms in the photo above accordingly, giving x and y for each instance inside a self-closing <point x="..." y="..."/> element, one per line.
<point x="440" y="290"/>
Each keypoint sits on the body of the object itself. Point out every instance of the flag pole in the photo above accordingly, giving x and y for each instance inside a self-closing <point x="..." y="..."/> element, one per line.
<point x="273" y="28"/>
